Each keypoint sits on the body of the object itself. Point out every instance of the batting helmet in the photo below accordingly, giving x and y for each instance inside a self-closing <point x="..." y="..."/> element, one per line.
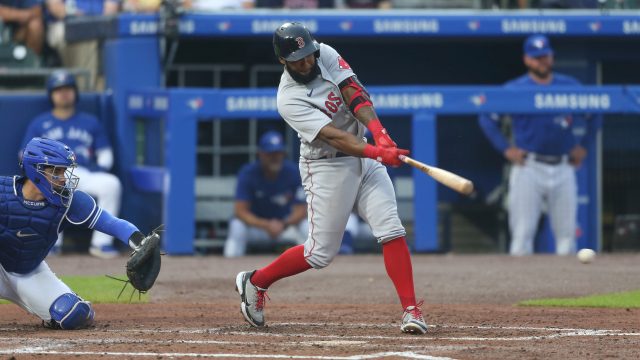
<point x="292" y="41"/>
<point x="40" y="154"/>
<point x="61" y="78"/>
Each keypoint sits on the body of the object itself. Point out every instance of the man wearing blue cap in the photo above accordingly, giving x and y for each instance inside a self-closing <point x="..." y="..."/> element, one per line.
<point x="544" y="153"/>
<point x="270" y="202"/>
<point x="88" y="139"/>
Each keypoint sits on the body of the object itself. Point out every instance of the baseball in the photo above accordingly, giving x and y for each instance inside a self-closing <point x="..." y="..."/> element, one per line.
<point x="586" y="255"/>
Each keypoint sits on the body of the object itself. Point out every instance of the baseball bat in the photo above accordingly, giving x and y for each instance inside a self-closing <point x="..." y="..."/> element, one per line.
<point x="446" y="178"/>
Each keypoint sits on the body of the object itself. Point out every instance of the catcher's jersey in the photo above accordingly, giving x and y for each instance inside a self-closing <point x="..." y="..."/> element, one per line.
<point x="28" y="229"/>
<point x="307" y="108"/>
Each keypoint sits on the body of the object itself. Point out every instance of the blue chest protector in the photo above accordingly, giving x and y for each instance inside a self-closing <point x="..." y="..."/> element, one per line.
<point x="27" y="233"/>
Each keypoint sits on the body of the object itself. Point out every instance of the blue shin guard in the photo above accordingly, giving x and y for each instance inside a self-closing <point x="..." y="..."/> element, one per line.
<point x="70" y="312"/>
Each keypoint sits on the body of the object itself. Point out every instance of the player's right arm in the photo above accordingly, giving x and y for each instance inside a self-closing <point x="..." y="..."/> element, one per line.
<point x="242" y="210"/>
<point x="490" y="125"/>
<point x="102" y="146"/>
<point x="84" y="212"/>
<point x="242" y="205"/>
<point x="351" y="145"/>
<point x="312" y="124"/>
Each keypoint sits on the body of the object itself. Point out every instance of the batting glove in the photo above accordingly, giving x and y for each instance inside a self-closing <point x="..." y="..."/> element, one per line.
<point x="389" y="156"/>
<point x="380" y="134"/>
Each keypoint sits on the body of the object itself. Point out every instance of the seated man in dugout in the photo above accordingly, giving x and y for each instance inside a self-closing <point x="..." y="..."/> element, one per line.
<point x="270" y="206"/>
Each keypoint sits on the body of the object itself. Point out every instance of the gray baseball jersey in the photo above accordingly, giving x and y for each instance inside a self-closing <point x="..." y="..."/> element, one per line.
<point x="307" y="108"/>
<point x="334" y="186"/>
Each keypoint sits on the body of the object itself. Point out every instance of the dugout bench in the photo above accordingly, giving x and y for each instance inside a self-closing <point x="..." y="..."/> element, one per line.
<point x="215" y="207"/>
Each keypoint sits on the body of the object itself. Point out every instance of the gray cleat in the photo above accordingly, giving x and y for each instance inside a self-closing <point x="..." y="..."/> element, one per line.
<point x="252" y="299"/>
<point x="412" y="320"/>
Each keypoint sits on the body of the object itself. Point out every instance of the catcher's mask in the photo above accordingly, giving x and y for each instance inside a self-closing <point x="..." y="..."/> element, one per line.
<point x="50" y="164"/>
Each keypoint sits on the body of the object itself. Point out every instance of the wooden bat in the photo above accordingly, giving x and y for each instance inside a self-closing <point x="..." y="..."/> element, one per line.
<point x="446" y="178"/>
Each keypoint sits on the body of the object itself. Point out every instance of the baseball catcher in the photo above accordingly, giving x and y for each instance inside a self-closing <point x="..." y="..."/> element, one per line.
<point x="35" y="207"/>
<point x="143" y="265"/>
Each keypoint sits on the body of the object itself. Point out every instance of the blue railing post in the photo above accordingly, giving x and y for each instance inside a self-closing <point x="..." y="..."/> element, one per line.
<point x="179" y="194"/>
<point x="425" y="204"/>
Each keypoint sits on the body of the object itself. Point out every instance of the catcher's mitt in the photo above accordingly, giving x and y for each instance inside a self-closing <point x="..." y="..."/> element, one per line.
<point x="143" y="265"/>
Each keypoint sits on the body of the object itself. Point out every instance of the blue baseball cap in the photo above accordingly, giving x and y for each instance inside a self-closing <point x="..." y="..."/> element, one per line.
<point x="271" y="141"/>
<point x="537" y="46"/>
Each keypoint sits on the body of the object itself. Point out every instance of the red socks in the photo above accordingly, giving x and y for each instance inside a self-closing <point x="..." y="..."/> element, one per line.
<point x="291" y="262"/>
<point x="397" y="261"/>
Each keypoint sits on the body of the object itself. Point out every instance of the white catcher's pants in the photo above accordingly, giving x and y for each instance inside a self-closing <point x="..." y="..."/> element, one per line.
<point x="107" y="190"/>
<point x="533" y="185"/>
<point x="35" y="291"/>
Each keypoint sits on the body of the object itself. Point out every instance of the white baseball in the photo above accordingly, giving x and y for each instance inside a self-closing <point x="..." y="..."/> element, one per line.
<point x="586" y="255"/>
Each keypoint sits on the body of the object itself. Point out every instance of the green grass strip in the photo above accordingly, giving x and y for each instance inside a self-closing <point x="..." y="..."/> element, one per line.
<point x="627" y="299"/>
<point x="100" y="290"/>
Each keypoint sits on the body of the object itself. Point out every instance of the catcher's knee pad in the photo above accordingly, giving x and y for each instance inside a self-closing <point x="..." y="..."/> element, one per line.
<point x="70" y="312"/>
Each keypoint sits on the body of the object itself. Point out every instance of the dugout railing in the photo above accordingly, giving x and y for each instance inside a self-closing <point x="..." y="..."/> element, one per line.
<point x="180" y="109"/>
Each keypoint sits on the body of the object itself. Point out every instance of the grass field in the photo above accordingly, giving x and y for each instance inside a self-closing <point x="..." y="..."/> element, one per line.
<point x="627" y="299"/>
<point x="101" y="290"/>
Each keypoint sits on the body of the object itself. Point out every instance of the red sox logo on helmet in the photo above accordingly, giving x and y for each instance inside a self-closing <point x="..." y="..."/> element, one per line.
<point x="300" y="41"/>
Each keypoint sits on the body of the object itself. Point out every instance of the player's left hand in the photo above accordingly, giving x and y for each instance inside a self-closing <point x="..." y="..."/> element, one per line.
<point x="143" y="265"/>
<point x="577" y="155"/>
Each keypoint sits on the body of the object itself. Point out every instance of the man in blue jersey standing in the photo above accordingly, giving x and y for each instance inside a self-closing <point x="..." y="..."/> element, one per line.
<point x="270" y="203"/>
<point x="87" y="137"/>
<point x="34" y="208"/>
<point x="544" y="154"/>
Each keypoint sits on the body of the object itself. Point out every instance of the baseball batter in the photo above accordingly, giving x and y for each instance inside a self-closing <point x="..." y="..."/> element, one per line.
<point x="321" y="98"/>
<point x="88" y="139"/>
<point x="34" y="208"/>
<point x="544" y="155"/>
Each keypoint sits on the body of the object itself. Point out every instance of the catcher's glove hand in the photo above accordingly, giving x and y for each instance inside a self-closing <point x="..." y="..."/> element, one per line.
<point x="143" y="265"/>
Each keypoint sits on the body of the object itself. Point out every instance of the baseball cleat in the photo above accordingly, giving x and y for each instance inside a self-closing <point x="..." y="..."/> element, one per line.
<point x="412" y="320"/>
<point x="252" y="299"/>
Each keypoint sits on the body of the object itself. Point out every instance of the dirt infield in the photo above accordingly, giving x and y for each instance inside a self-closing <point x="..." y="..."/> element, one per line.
<point x="349" y="311"/>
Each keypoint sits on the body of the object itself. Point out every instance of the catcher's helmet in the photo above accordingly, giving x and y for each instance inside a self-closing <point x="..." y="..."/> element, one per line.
<point x="61" y="78"/>
<point x="292" y="41"/>
<point x="40" y="154"/>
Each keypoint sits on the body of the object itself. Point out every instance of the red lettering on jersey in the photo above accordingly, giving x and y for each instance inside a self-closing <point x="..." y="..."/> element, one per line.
<point x="333" y="103"/>
<point x="335" y="98"/>
<point x="343" y="64"/>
